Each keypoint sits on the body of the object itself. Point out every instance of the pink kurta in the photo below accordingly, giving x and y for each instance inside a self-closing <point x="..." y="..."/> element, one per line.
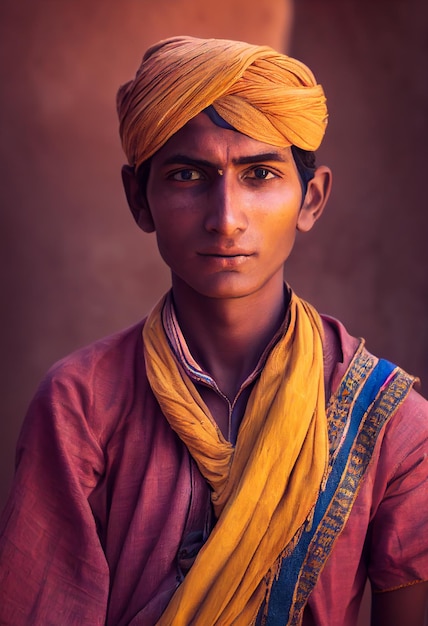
<point x="105" y="496"/>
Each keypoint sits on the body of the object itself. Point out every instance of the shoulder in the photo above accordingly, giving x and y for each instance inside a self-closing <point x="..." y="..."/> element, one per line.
<point x="404" y="445"/>
<point x="409" y="417"/>
<point x="96" y="383"/>
<point x="339" y="349"/>
<point x="407" y="429"/>
<point x="107" y="360"/>
<point x="101" y="355"/>
<point x="393" y="493"/>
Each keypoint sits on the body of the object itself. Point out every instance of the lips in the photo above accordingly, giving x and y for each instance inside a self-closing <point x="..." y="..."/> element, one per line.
<point x="223" y="253"/>
<point x="225" y="260"/>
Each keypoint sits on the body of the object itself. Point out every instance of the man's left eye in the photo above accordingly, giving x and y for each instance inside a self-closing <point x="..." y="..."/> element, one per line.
<point x="261" y="173"/>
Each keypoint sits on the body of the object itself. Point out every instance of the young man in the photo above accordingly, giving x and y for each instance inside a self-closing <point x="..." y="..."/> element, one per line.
<point x="234" y="458"/>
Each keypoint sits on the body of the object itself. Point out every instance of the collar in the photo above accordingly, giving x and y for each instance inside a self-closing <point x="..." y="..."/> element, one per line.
<point x="184" y="357"/>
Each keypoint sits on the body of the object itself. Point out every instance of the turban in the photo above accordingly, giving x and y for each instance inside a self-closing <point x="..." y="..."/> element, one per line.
<point x="263" y="94"/>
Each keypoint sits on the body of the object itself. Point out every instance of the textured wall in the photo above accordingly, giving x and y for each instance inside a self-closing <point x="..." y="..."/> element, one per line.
<point x="366" y="261"/>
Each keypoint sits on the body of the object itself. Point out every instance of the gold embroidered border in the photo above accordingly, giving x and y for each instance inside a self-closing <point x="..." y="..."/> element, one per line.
<point x="360" y="456"/>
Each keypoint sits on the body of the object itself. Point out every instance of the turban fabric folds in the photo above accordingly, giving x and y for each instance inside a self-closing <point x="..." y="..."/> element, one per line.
<point x="261" y="93"/>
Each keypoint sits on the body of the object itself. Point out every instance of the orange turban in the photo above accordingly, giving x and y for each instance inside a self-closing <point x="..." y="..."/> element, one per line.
<point x="262" y="93"/>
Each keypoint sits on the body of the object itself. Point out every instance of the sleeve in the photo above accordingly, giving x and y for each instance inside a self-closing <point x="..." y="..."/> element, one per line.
<point x="52" y="566"/>
<point x="398" y="550"/>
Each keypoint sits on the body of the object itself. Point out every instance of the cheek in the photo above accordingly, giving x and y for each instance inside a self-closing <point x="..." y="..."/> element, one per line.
<point x="280" y="218"/>
<point x="173" y="234"/>
<point x="169" y="249"/>
<point x="165" y="214"/>
<point x="283" y="200"/>
<point x="169" y="209"/>
<point x="279" y="230"/>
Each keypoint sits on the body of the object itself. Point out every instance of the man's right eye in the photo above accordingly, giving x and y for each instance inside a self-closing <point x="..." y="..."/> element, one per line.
<point x="186" y="175"/>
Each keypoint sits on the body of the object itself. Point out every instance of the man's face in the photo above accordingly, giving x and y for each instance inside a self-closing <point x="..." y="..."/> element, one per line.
<point x="225" y="208"/>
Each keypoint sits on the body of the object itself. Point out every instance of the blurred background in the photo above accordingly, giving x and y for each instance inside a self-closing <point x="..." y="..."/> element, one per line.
<point x="74" y="267"/>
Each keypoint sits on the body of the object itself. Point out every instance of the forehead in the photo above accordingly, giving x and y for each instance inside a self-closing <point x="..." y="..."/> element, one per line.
<point x="200" y="138"/>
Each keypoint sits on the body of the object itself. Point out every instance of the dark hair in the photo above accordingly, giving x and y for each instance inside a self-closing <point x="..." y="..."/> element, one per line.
<point x="305" y="161"/>
<point x="142" y="175"/>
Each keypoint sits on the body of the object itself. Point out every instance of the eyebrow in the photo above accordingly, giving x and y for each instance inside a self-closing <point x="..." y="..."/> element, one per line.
<point x="244" y="160"/>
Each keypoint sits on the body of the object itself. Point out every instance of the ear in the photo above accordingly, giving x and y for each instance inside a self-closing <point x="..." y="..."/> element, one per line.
<point x="137" y="200"/>
<point x="315" y="199"/>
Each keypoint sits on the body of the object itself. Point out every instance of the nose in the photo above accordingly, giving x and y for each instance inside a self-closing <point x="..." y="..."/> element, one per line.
<point x="225" y="208"/>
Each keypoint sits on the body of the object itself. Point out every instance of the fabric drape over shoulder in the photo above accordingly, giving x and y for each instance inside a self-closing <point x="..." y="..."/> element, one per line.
<point x="264" y="489"/>
<point x="266" y="95"/>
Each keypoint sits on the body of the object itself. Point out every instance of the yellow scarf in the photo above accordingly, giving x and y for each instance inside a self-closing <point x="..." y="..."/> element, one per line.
<point x="263" y="489"/>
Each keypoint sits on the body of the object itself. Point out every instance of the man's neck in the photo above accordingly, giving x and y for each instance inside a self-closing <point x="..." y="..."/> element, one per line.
<point x="228" y="336"/>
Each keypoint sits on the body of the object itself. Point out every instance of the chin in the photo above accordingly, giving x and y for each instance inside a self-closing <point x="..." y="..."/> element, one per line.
<point x="226" y="288"/>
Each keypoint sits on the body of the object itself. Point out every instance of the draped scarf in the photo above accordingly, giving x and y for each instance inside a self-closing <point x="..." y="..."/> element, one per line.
<point x="264" y="488"/>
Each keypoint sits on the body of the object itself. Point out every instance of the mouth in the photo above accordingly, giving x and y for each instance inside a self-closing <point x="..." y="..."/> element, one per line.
<point x="225" y="260"/>
<point x="225" y="254"/>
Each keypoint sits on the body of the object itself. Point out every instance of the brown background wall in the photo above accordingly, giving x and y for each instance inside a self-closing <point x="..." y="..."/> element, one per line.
<point x="73" y="266"/>
<point x="366" y="262"/>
